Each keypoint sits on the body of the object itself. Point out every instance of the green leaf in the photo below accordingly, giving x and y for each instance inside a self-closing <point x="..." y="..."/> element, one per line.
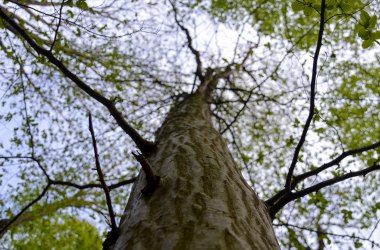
<point x="297" y="6"/>
<point x="364" y="34"/>
<point x="375" y="35"/>
<point x="371" y="162"/>
<point x="372" y="22"/>
<point x="289" y="141"/>
<point x="70" y="13"/>
<point x="364" y="18"/>
<point x="82" y="4"/>
<point x="119" y="87"/>
<point x="345" y="7"/>
<point x="70" y="3"/>
<point x="367" y="44"/>
<point x="308" y="11"/>
<point x="245" y="158"/>
<point x="358" y="244"/>
<point x="260" y="157"/>
<point x="377" y="205"/>
<point x="347" y="215"/>
<point x="320" y="130"/>
<point x="317" y="7"/>
<point x="359" y="27"/>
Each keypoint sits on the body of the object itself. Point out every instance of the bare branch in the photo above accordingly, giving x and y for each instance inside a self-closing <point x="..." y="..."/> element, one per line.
<point x="190" y="45"/>
<point x="334" y="162"/>
<point x="5" y="225"/>
<point x="271" y="201"/>
<point x="26" y="7"/>
<point x="101" y="177"/>
<point x="27" y="118"/>
<point x="144" y="145"/>
<point x="312" y="99"/>
<point x="59" y="24"/>
<point x="93" y="185"/>
<point x="374" y="228"/>
<point x="288" y="197"/>
<point x="241" y="110"/>
<point x="68" y="183"/>
<point x="33" y="2"/>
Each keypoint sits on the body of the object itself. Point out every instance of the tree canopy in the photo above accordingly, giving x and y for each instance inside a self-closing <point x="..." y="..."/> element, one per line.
<point x="300" y="110"/>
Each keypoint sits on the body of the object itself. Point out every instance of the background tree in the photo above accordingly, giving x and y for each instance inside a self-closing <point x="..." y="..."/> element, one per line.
<point x="302" y="133"/>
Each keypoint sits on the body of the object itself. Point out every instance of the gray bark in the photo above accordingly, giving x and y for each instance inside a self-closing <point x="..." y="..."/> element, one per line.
<point x="202" y="201"/>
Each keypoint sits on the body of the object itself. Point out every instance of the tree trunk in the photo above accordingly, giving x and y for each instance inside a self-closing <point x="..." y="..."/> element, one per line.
<point x="202" y="201"/>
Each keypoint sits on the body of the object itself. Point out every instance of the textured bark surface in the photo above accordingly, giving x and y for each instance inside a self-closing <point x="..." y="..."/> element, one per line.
<point x="202" y="201"/>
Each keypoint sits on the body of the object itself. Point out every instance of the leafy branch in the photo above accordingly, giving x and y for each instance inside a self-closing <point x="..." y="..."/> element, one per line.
<point x="48" y="209"/>
<point x="283" y="197"/>
<point x="51" y="182"/>
<point x="145" y="146"/>
<point x="11" y="221"/>
<point x="82" y="27"/>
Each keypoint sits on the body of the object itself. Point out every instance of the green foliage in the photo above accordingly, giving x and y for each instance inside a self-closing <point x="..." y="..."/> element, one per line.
<point x="58" y="232"/>
<point x="366" y="29"/>
<point x="264" y="104"/>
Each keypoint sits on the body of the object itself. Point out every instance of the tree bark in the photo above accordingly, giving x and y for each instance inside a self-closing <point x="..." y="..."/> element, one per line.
<point x="202" y="201"/>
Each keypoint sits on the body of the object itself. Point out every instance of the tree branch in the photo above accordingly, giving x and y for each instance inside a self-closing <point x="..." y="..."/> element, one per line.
<point x="58" y="25"/>
<point x="288" y="197"/>
<point x="6" y="224"/>
<point x="312" y="99"/>
<point x="101" y="178"/>
<point x="93" y="185"/>
<point x="34" y="2"/>
<point x="336" y="161"/>
<point x="145" y="146"/>
<point x="68" y="183"/>
<point x="195" y="52"/>
<point x="82" y="27"/>
<point x="46" y="210"/>
<point x="39" y="197"/>
<point x="151" y="179"/>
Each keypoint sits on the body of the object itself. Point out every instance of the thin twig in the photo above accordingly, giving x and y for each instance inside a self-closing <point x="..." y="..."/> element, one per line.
<point x="326" y="233"/>
<point x="27" y="118"/>
<point x="82" y="27"/>
<point x="373" y="230"/>
<point x="57" y="28"/>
